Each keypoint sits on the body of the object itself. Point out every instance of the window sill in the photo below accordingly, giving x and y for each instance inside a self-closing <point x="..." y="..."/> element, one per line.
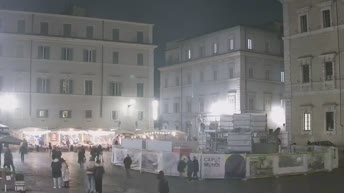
<point x="303" y="132"/>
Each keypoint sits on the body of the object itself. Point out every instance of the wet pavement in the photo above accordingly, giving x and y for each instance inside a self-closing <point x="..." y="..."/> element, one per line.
<point x="37" y="173"/>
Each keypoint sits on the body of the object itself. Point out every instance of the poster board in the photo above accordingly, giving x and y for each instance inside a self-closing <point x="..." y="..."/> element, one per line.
<point x="213" y="166"/>
<point x="150" y="161"/>
<point x="132" y="143"/>
<point x="156" y="145"/>
<point x="259" y="166"/>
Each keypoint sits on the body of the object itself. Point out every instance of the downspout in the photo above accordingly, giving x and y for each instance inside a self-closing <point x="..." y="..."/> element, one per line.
<point x="102" y="76"/>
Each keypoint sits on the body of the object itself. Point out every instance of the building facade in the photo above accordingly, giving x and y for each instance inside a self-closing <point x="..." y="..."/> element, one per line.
<point x="75" y="72"/>
<point x="232" y="71"/>
<point x="313" y="39"/>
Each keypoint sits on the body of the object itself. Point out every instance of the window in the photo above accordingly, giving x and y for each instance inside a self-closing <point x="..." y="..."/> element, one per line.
<point x="303" y="23"/>
<point x="177" y="80"/>
<point x="267" y="75"/>
<point x="326" y="18"/>
<point x="267" y="102"/>
<point x="166" y="108"/>
<point x="166" y="82"/>
<point x="176" y="108"/>
<point x="43" y="85"/>
<point x="88" y="87"/>
<point x="250" y="73"/>
<point x="282" y="76"/>
<point x="140" y="59"/>
<point x="115" y="89"/>
<point x="140" y="92"/>
<point x="89" y="32"/>
<point x="231" y="44"/>
<point x="249" y="44"/>
<point x="88" y="114"/>
<point x="188" y="54"/>
<point x="43" y="52"/>
<point x="114" y="115"/>
<point x="189" y="105"/>
<point x="201" y="76"/>
<point x="189" y="78"/>
<point x="251" y="103"/>
<point x="231" y="73"/>
<point x="139" y="36"/>
<point x="201" y="51"/>
<point x="66" y="114"/>
<point x="115" y="34"/>
<point x="201" y="105"/>
<point x="67" y="30"/>
<point x="215" y="75"/>
<point x="66" y="86"/>
<point x="115" y="57"/>
<point x="305" y="73"/>
<point x="215" y="48"/>
<point x="67" y="54"/>
<point x="21" y="26"/>
<point x="328" y="71"/>
<point x="42" y="113"/>
<point x="44" y="28"/>
<point x="140" y="115"/>
<point x="89" y="55"/>
<point x="330" y="121"/>
<point x="306" y="121"/>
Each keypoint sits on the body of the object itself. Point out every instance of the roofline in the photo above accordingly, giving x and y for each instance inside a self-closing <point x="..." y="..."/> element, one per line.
<point x="77" y="17"/>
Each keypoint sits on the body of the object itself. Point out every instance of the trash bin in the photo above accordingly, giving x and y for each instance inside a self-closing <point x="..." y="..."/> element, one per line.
<point x="19" y="184"/>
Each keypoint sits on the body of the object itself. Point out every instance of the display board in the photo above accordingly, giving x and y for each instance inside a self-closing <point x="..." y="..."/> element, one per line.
<point x="132" y="143"/>
<point x="156" y="145"/>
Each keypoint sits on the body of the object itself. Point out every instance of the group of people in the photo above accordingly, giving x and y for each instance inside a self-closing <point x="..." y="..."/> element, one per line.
<point x="60" y="170"/>
<point x="191" y="166"/>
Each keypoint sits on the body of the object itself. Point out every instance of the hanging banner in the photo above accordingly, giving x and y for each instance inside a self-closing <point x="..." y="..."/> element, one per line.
<point x="119" y="155"/>
<point x="260" y="166"/>
<point x="213" y="166"/>
<point x="135" y="156"/>
<point x="170" y="163"/>
<point x="150" y="161"/>
<point x="316" y="161"/>
<point x="235" y="166"/>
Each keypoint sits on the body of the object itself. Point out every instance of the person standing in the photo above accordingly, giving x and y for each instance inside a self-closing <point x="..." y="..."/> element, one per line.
<point x="163" y="186"/>
<point x="81" y="156"/>
<point x="22" y="152"/>
<point x="181" y="167"/>
<point x="195" y="168"/>
<point x="65" y="173"/>
<point x="90" y="169"/>
<point x="190" y="169"/>
<point x="56" y="172"/>
<point x="8" y="159"/>
<point x="127" y="164"/>
<point x="98" y="175"/>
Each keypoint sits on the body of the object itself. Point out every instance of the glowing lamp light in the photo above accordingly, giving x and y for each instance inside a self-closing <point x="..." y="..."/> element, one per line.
<point x="8" y="102"/>
<point x="278" y="115"/>
<point x="174" y="133"/>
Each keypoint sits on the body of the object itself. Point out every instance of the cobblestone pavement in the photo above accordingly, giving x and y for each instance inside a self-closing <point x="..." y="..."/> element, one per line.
<point x="37" y="173"/>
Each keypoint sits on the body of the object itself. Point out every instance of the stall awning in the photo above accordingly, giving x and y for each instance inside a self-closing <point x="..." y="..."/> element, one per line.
<point x="34" y="131"/>
<point x="71" y="131"/>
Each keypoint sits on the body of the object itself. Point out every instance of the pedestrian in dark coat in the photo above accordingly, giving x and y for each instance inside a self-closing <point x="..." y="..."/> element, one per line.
<point x="190" y="169"/>
<point x="56" y="172"/>
<point x="81" y="156"/>
<point x="196" y="168"/>
<point x="163" y="186"/>
<point x="98" y="175"/>
<point x="8" y="159"/>
<point x="127" y="164"/>
<point x="50" y="148"/>
<point x="181" y="167"/>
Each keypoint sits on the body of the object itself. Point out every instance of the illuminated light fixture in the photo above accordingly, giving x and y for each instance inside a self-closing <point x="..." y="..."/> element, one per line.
<point x="174" y="133"/>
<point x="278" y="115"/>
<point x="8" y="102"/>
<point x="155" y="105"/>
<point x="221" y="108"/>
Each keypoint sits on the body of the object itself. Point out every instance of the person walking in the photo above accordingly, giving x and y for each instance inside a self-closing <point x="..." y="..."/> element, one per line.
<point x="195" y="168"/>
<point x="8" y="159"/>
<point x="100" y="152"/>
<point x="190" y="168"/>
<point x="98" y="176"/>
<point x="81" y="156"/>
<point x="50" y="148"/>
<point x="163" y="186"/>
<point x="22" y="152"/>
<point x="65" y="173"/>
<point x="90" y="170"/>
<point x="56" y="172"/>
<point x="127" y="164"/>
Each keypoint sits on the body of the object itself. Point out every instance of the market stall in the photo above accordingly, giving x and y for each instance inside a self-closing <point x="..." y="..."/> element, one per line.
<point x="70" y="137"/>
<point x="98" y="136"/>
<point x="34" y="136"/>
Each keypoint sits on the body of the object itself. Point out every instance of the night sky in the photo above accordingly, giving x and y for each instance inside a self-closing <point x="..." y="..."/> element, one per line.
<point x="173" y="19"/>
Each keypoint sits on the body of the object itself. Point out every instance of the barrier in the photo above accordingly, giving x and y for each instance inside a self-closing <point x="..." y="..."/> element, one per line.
<point x="225" y="166"/>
